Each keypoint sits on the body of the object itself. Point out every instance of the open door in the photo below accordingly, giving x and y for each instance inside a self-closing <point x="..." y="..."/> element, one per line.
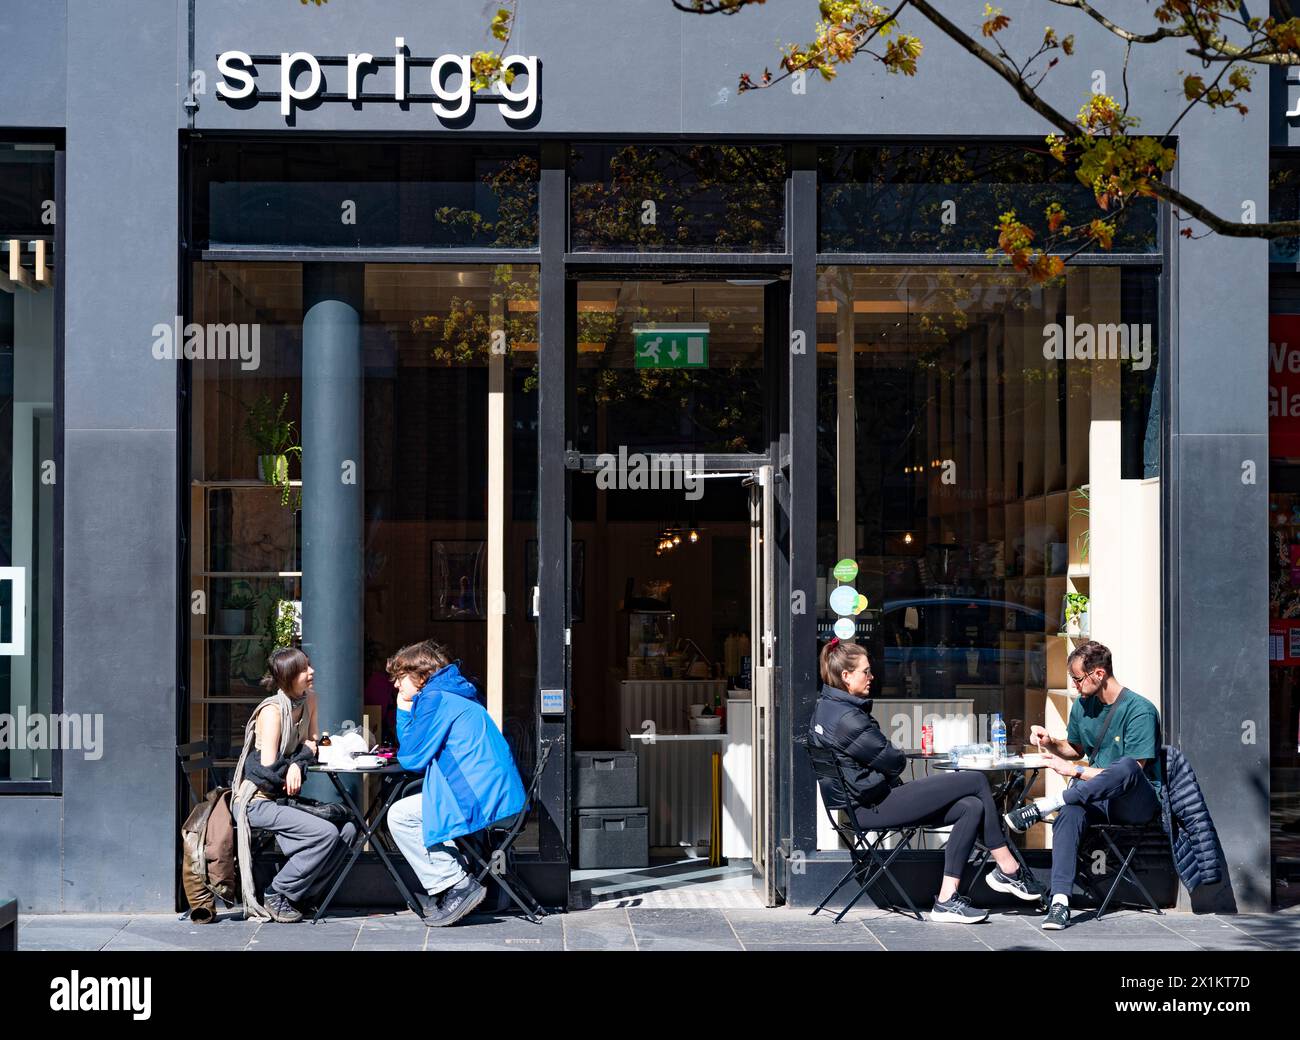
<point x="762" y="585"/>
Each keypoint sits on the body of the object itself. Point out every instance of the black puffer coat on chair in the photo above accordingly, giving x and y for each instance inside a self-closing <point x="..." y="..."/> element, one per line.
<point x="1187" y="822"/>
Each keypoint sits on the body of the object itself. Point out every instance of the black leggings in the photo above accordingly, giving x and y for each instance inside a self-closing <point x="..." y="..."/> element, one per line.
<point x="960" y="798"/>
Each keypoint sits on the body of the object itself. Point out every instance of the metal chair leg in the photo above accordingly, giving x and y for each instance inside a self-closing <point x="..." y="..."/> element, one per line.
<point x="1131" y="875"/>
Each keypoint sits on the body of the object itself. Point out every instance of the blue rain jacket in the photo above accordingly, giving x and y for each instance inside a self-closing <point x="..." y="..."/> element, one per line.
<point x="470" y="779"/>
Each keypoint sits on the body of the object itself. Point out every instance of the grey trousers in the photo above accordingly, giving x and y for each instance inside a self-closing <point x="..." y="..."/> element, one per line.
<point x="314" y="846"/>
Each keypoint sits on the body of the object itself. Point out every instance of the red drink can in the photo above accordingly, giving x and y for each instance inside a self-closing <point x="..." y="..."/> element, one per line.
<point x="927" y="740"/>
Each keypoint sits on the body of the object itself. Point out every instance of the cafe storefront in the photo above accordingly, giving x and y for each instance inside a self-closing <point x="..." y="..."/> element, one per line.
<point x="413" y="346"/>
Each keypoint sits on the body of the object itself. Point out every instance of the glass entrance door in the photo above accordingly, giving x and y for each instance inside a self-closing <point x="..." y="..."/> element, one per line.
<point x="762" y="603"/>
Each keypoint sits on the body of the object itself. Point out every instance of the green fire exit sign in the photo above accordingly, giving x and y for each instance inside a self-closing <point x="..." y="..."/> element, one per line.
<point x="671" y="346"/>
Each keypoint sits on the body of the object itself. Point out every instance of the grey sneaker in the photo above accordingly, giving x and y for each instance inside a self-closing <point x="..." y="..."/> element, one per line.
<point x="281" y="909"/>
<point x="458" y="901"/>
<point x="1022" y="884"/>
<point x="957" y="910"/>
<point x="432" y="908"/>
<point x="1058" y="917"/>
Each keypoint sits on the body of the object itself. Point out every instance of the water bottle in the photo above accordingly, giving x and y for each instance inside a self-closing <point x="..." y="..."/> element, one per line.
<point x="998" y="732"/>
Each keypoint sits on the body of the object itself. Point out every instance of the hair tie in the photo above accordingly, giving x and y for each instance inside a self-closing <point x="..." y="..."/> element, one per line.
<point x="834" y="640"/>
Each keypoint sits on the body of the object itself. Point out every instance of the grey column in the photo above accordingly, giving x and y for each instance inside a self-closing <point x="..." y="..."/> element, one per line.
<point x="332" y="503"/>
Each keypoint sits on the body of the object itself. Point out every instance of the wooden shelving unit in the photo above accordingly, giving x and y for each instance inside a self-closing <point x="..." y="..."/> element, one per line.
<point x="241" y="533"/>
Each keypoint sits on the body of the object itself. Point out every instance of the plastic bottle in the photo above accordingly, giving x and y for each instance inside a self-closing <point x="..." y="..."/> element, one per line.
<point x="998" y="733"/>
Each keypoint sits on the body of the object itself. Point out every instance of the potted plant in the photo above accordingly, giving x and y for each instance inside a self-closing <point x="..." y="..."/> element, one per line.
<point x="1076" y="614"/>
<point x="276" y="439"/>
<point x="1084" y="541"/>
<point x="232" y="618"/>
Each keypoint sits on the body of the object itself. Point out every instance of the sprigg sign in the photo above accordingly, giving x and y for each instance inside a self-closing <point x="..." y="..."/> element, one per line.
<point x="301" y="79"/>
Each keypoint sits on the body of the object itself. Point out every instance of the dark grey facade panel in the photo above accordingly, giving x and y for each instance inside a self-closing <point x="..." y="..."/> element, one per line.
<point x="1220" y="429"/>
<point x="33" y="64"/>
<point x="1220" y="682"/>
<point x="120" y="493"/>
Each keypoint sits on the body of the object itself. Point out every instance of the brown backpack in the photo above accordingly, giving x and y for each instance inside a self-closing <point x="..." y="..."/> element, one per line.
<point x="209" y="867"/>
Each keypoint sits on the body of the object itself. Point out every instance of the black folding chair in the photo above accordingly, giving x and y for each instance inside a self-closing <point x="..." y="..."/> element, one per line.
<point x="1112" y="839"/>
<point x="867" y="865"/>
<point x="493" y="849"/>
<point x="196" y="758"/>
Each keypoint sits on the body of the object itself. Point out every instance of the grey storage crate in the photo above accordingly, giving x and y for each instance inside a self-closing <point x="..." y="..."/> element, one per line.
<point x="606" y="779"/>
<point x="613" y="838"/>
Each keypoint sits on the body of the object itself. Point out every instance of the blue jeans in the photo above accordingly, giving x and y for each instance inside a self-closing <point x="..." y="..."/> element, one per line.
<point x="1120" y="793"/>
<point x="436" y="868"/>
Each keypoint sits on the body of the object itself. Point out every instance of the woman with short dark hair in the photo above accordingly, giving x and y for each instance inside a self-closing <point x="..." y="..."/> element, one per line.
<point x="279" y="745"/>
<point x="842" y="721"/>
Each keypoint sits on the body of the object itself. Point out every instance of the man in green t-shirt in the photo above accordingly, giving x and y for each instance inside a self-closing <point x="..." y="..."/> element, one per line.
<point x="1118" y="731"/>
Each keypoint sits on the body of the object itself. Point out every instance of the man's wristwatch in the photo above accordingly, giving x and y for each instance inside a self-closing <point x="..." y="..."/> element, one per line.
<point x="1078" y="772"/>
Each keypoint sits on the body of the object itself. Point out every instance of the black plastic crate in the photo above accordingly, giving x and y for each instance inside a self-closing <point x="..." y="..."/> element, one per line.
<point x="606" y="779"/>
<point x="613" y="838"/>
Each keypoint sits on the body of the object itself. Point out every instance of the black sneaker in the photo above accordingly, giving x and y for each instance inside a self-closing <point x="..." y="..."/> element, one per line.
<point x="957" y="910"/>
<point x="1022" y="884"/>
<point x="1058" y="917"/>
<point x="1020" y="820"/>
<point x="458" y="901"/>
<point x="281" y="909"/>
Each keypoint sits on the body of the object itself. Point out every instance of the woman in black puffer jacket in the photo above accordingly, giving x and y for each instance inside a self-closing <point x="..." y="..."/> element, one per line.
<point x="842" y="721"/>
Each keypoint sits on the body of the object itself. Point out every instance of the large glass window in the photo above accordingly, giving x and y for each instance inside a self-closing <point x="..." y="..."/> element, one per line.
<point x="637" y="384"/>
<point x="28" y="420"/>
<point x="989" y="460"/>
<point x="677" y="198"/>
<point x="449" y="438"/>
<point x="364" y="194"/>
<point x="944" y="198"/>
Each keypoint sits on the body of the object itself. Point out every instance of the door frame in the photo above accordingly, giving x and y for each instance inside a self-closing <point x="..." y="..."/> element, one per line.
<point x="562" y="357"/>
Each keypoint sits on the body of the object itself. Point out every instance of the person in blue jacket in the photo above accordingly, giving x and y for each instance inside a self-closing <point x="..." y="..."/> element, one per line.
<point x="470" y="779"/>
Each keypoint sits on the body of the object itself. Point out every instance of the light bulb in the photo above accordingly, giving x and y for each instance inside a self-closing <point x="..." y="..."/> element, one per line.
<point x="907" y="538"/>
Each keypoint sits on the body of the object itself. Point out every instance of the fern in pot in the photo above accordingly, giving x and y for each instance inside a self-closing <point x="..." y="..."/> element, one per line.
<point x="276" y="439"/>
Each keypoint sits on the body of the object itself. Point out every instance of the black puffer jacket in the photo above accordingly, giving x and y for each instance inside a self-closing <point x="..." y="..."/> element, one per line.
<point x="1187" y="822"/>
<point x="871" y="764"/>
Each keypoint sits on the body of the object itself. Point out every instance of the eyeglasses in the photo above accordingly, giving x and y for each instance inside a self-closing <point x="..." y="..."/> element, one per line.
<point x="1078" y="679"/>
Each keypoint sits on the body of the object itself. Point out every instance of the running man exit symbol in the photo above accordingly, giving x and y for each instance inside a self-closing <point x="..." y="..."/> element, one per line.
<point x="672" y="346"/>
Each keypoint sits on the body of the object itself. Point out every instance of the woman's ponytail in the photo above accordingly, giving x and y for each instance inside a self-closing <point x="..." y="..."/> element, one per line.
<point x="838" y="657"/>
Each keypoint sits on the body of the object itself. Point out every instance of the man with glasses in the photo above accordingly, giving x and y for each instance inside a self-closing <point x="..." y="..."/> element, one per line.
<point x="1118" y="732"/>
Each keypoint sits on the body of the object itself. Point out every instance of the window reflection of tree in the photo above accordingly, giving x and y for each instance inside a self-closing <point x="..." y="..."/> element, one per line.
<point x="704" y="196"/>
<point x="892" y="198"/>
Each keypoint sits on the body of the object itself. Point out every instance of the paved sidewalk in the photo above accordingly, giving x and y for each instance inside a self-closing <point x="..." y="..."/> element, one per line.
<point x="639" y="928"/>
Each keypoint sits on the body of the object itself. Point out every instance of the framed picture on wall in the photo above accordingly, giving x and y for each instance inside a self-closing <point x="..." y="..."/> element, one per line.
<point x="578" y="562"/>
<point x="457" y="580"/>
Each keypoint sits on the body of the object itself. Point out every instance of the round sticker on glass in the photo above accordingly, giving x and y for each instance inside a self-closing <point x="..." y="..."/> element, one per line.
<point x="860" y="605"/>
<point x="843" y="599"/>
<point x="846" y="570"/>
<point x="844" y="628"/>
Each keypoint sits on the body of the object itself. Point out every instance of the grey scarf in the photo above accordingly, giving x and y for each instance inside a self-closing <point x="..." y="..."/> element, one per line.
<point x="243" y="791"/>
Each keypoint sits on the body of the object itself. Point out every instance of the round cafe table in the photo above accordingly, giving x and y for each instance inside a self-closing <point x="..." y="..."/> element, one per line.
<point x="1008" y="794"/>
<point x="393" y="774"/>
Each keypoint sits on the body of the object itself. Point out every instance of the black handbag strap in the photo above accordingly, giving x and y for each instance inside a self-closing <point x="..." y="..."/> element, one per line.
<point x="1101" y="737"/>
